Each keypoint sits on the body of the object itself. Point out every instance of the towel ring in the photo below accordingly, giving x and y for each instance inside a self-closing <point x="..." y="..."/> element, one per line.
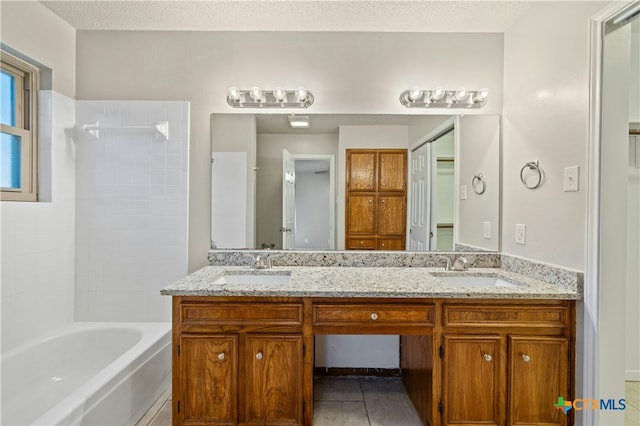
<point x="535" y="166"/>
<point x="478" y="184"/>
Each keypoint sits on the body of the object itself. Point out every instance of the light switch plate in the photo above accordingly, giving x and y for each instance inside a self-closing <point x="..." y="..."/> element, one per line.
<point x="521" y="233"/>
<point x="487" y="230"/>
<point x="571" y="178"/>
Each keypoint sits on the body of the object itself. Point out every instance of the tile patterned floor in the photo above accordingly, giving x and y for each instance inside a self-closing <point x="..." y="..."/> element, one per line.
<point x="366" y="402"/>
<point x="632" y="398"/>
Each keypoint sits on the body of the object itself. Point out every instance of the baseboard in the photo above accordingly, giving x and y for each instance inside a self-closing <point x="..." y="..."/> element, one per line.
<point x="632" y="375"/>
<point x="377" y="372"/>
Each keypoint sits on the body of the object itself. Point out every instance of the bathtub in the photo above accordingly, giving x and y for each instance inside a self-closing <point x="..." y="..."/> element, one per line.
<point x="88" y="374"/>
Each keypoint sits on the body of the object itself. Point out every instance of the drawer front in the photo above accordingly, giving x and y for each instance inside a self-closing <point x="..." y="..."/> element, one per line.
<point x="242" y="313"/>
<point x="506" y="316"/>
<point x="361" y="243"/>
<point x="328" y="314"/>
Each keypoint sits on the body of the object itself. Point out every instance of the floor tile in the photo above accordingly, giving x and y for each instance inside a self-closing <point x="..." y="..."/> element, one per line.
<point x="163" y="418"/>
<point x="333" y="413"/>
<point x="155" y="408"/>
<point x="632" y="394"/>
<point x="336" y="389"/>
<point x="631" y="416"/>
<point x="388" y="404"/>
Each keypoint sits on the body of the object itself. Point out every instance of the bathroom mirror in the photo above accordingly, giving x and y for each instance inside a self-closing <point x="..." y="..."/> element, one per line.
<point x="453" y="201"/>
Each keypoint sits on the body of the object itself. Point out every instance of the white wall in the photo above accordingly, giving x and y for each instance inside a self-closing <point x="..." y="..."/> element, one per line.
<point x="35" y="31"/>
<point x="347" y="72"/>
<point x="362" y="137"/>
<point x="312" y="210"/>
<point x="634" y="82"/>
<point x="131" y="210"/>
<point x="234" y="133"/>
<point x="479" y="152"/>
<point x="269" y="182"/>
<point x="632" y="296"/>
<point x="545" y="118"/>
<point x="37" y="240"/>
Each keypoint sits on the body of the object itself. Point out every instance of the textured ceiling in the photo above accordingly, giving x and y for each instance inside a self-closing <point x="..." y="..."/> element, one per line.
<point x="291" y="15"/>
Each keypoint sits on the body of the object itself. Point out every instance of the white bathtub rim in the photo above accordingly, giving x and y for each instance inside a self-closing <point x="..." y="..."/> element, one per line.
<point x="156" y="338"/>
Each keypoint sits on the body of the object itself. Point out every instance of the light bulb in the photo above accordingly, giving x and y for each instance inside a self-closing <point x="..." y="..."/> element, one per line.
<point x="256" y="94"/>
<point x="301" y="94"/>
<point x="437" y="93"/>
<point x="481" y="96"/>
<point x="414" y="94"/>
<point x="279" y="94"/>
<point x="234" y="93"/>
<point x="460" y="95"/>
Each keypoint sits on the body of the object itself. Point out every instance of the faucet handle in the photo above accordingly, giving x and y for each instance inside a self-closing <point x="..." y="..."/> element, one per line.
<point x="262" y="261"/>
<point x="461" y="264"/>
<point x="252" y="260"/>
<point x="447" y="266"/>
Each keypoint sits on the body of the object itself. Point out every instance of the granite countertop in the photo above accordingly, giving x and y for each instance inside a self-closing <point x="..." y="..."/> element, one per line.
<point x="397" y="282"/>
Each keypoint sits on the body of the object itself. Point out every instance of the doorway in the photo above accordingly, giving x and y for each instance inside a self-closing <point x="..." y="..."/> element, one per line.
<point x="612" y="288"/>
<point x="309" y="209"/>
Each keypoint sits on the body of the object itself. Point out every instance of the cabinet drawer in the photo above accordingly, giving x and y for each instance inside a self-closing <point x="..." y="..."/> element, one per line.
<point x="505" y="316"/>
<point x="361" y="243"/>
<point x="242" y="313"/>
<point x="327" y="314"/>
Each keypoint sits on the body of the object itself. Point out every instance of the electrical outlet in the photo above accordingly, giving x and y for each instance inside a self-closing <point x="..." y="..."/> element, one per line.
<point x="521" y="233"/>
<point x="487" y="230"/>
<point x="571" y="178"/>
<point x="463" y="192"/>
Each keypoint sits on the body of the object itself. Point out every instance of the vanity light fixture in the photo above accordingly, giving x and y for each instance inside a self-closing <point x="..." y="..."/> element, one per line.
<point x="299" y="121"/>
<point x="276" y="98"/>
<point x="441" y="98"/>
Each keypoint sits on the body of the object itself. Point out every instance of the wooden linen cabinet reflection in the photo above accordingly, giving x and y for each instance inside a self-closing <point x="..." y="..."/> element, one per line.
<point x="376" y="199"/>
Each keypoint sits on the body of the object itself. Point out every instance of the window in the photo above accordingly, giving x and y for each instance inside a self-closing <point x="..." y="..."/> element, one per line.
<point x="18" y="110"/>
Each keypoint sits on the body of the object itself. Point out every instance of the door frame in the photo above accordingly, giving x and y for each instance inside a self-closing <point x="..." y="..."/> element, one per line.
<point x="452" y="123"/>
<point x="332" y="190"/>
<point x="594" y="353"/>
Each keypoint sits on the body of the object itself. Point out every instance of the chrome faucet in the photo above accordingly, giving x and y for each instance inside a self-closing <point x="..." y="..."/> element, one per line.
<point x="447" y="266"/>
<point x="461" y="264"/>
<point x="261" y="261"/>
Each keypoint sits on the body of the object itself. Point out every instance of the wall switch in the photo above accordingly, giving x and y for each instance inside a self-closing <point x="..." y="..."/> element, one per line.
<point x="463" y="192"/>
<point x="571" y="178"/>
<point x="487" y="230"/>
<point x="521" y="233"/>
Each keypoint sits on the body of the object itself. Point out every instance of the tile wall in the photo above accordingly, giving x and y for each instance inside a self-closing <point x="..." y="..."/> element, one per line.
<point x="37" y="239"/>
<point x="131" y="210"/>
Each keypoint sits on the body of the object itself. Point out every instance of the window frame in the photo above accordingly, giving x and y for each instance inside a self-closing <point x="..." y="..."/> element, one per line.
<point x="26" y="113"/>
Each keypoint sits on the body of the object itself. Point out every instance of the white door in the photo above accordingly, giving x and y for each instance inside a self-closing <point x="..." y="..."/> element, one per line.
<point x="419" y="218"/>
<point x="288" y="228"/>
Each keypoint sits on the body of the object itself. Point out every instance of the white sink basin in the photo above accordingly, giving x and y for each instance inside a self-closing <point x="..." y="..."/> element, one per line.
<point x="462" y="280"/>
<point x="254" y="279"/>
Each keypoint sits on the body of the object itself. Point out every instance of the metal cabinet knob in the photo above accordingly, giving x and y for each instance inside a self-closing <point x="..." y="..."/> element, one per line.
<point x="382" y="244"/>
<point x="221" y="356"/>
<point x="526" y="358"/>
<point x="487" y="357"/>
<point x="361" y="242"/>
<point x="383" y="201"/>
<point x="374" y="316"/>
<point x="370" y="200"/>
<point x="259" y="355"/>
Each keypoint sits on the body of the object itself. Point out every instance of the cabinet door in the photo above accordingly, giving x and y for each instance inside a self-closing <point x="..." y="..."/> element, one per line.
<point x="360" y="214"/>
<point x="209" y="371"/>
<point x="392" y="214"/>
<point x="471" y="380"/>
<point x="273" y="394"/>
<point x="361" y="170"/>
<point x="538" y="375"/>
<point x="393" y="171"/>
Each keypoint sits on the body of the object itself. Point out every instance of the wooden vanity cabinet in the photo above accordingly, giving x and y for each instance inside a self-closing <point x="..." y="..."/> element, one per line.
<point x="506" y="363"/>
<point x="237" y="363"/>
